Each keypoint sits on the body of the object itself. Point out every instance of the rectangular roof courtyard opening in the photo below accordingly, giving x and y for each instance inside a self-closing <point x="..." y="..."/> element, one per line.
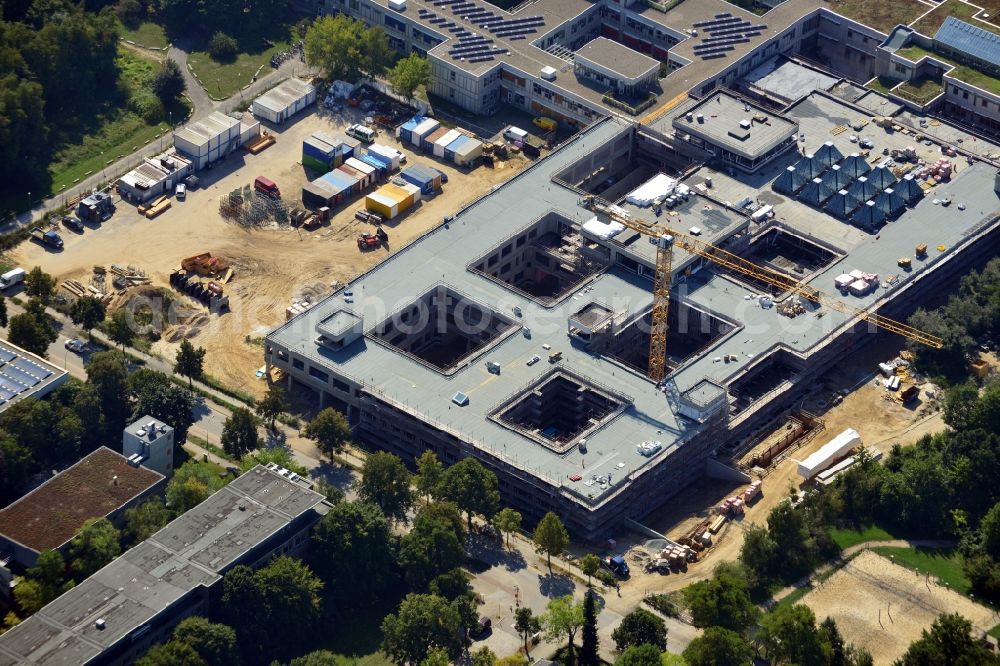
<point x="560" y="409"/>
<point x="443" y="329"/>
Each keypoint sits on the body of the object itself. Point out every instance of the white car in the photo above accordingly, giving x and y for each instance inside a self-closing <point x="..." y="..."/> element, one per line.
<point x="76" y="346"/>
<point x="180" y="191"/>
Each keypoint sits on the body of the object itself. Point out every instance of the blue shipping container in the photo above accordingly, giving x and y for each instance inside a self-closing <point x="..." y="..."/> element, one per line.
<point x="406" y="129"/>
<point x="424" y="178"/>
<point x="320" y="150"/>
<point x="379" y="164"/>
<point x="340" y="181"/>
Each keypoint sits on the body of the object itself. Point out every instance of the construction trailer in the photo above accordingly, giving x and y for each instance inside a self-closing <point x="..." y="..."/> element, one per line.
<point x="390" y="200"/>
<point x="829" y="453"/>
<point x="464" y="151"/>
<point x="415" y="129"/>
<point x="428" y="180"/>
<point x="428" y="143"/>
<point x="385" y="154"/>
<point x="155" y="176"/>
<point x="284" y="101"/>
<point x="210" y="139"/>
<point x="445" y="141"/>
<point x="368" y="174"/>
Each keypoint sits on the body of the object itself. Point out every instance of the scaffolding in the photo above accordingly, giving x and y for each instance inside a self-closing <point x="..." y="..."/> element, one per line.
<point x="248" y="208"/>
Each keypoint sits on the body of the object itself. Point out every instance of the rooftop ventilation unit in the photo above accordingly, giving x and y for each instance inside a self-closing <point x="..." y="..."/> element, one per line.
<point x="745" y="124"/>
<point x="100" y="624"/>
<point x="397" y="5"/>
<point x="549" y="73"/>
<point x="460" y="399"/>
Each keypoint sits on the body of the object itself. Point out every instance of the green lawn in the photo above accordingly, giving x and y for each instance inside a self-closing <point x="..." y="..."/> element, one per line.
<point x="960" y="71"/>
<point x="995" y="631"/>
<point x="847" y="538"/>
<point x="882" y="16"/>
<point x="148" y="34"/>
<point x="928" y="25"/>
<point x="881" y="84"/>
<point x="944" y="564"/>
<point x="224" y="79"/>
<point x="113" y="135"/>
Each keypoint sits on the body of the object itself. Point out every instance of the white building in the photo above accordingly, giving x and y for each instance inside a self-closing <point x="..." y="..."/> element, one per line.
<point x="150" y="443"/>
<point x="284" y="101"/>
<point x="155" y="176"/>
<point x="213" y="137"/>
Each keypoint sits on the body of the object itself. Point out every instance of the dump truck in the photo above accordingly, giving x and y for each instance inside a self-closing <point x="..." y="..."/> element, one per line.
<point x="50" y="238"/>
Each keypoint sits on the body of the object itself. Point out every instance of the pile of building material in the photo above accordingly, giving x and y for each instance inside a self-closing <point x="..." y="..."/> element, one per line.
<point x="829" y="453"/>
<point x="791" y="307"/>
<point x="753" y="492"/>
<point x="206" y="265"/>
<point x="260" y="143"/>
<point x="296" y="308"/>
<point x="733" y="506"/>
<point x="127" y="276"/>
<point x="209" y="293"/>
<point x="248" y="208"/>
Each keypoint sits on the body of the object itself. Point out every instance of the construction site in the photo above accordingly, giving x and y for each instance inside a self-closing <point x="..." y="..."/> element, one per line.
<point x="635" y="311"/>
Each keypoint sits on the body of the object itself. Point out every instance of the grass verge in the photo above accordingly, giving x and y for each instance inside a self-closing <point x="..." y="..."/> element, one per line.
<point x="212" y="448"/>
<point x="224" y="79"/>
<point x="945" y="564"/>
<point x="847" y="538"/>
<point x="148" y="34"/>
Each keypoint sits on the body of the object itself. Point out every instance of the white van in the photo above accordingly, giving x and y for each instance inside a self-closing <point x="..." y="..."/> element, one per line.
<point x="361" y="133"/>
<point x="180" y="191"/>
<point x="513" y="133"/>
<point x="12" y="277"/>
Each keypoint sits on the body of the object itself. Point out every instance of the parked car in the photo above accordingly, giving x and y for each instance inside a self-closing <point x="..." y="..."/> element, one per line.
<point x="180" y="191"/>
<point x="73" y="223"/>
<point x="76" y="346"/>
<point x="617" y="565"/>
<point x="484" y="627"/>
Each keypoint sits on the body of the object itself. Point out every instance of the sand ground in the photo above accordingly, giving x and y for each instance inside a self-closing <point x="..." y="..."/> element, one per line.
<point x="883" y="606"/>
<point x="272" y="266"/>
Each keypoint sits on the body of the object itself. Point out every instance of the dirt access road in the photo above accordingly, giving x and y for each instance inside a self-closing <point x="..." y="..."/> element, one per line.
<point x="880" y="422"/>
<point x="272" y="266"/>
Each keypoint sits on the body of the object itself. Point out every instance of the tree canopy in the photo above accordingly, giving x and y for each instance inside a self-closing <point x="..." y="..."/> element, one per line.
<point x="385" y="482"/>
<point x="718" y="646"/>
<point x="190" y="360"/>
<point x="330" y="430"/>
<point x="239" y="433"/>
<point x="87" y="312"/>
<point x="551" y="536"/>
<point x="472" y="488"/>
<point x="191" y="485"/>
<point x="144" y="520"/>
<point x="345" y="48"/>
<point x="408" y="74"/>
<point x="640" y="627"/>
<point x="351" y="550"/>
<point x="434" y="545"/>
<point x="722" y="601"/>
<point x="422" y="622"/>
<point x="96" y="544"/>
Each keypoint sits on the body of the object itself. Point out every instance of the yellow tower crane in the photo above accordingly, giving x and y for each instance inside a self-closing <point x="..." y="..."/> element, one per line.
<point x="665" y="238"/>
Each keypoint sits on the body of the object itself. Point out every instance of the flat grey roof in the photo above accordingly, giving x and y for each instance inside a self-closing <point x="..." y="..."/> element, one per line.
<point x="203" y="131"/>
<point x="788" y="80"/>
<point x="285" y="94"/>
<point x="442" y="254"/>
<point x="191" y="552"/>
<point x="722" y="114"/>
<point x="617" y="58"/>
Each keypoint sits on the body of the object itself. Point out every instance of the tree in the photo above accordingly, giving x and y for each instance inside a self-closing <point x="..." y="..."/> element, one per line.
<point x="222" y="47"/>
<point x="87" y="312"/>
<point x="788" y="635"/>
<point x="107" y="373"/>
<point x="434" y="545"/>
<point x="989" y="527"/>
<point x="949" y="641"/>
<point x="408" y="74"/>
<point x="96" y="544"/>
<point x="144" y="520"/>
<point x="377" y="54"/>
<point x="272" y="404"/>
<point x="39" y="284"/>
<point x="386" y="484"/>
<point x="551" y="536"/>
<point x="191" y="485"/>
<point x="422" y="622"/>
<point x="960" y="404"/>
<point x="515" y="659"/>
<point x="318" y="658"/>
<point x="429" y="473"/>
<point x="215" y="643"/>
<point x="640" y="655"/>
<point x="330" y="430"/>
<point x="507" y="521"/>
<point x="718" y="646"/>
<point x="168" y="84"/>
<point x="526" y="625"/>
<point x="3" y="312"/>
<point x="351" y="550"/>
<point x="451" y="584"/>
<point x="472" y="488"/>
<point x="32" y="330"/>
<point x="190" y="360"/>
<point x="335" y="44"/>
<point x="119" y="328"/>
<point x="157" y="396"/>
<point x="758" y="553"/>
<point x="639" y="627"/>
<point x="722" y="601"/>
<point x="589" y="640"/>
<point x="171" y="653"/>
<point x="436" y="657"/>
<point x="240" y="608"/>
<point x="484" y="657"/>
<point x="563" y="618"/>
<point x="589" y="565"/>
<point x="239" y="433"/>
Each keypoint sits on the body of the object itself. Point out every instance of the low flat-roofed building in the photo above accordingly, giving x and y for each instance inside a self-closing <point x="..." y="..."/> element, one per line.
<point x="209" y="139"/>
<point x="135" y="601"/>
<point x="25" y="375"/>
<point x="155" y="176"/>
<point x="738" y="132"/>
<point x="284" y="101"/>
<point x="617" y="66"/>
<point x="100" y="485"/>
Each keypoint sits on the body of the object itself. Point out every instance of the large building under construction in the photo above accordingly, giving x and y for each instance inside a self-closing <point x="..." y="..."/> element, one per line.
<point x="518" y="331"/>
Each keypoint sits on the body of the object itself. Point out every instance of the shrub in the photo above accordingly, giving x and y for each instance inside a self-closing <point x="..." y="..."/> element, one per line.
<point x="146" y="105"/>
<point x="222" y="47"/>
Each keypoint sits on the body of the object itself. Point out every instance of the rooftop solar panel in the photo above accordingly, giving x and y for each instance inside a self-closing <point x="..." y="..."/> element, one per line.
<point x="10" y="386"/>
<point x="21" y="376"/>
<point x="6" y="355"/>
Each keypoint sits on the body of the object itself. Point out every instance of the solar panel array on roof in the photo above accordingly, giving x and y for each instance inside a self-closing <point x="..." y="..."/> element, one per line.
<point x="723" y="32"/>
<point x="18" y="374"/>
